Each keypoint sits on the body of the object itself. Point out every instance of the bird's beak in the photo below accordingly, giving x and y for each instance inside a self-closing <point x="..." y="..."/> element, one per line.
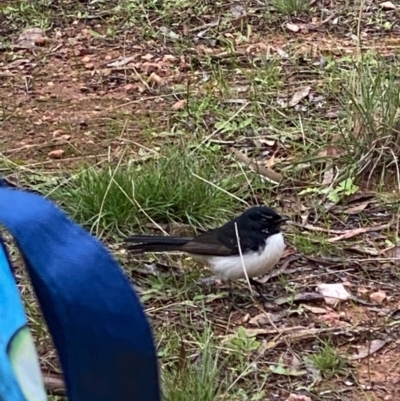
<point x="283" y="219"/>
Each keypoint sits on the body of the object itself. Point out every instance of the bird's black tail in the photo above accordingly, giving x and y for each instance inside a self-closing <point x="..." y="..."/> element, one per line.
<point x="154" y="243"/>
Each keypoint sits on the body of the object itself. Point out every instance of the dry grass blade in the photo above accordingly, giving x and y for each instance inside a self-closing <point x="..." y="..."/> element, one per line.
<point x="54" y="384"/>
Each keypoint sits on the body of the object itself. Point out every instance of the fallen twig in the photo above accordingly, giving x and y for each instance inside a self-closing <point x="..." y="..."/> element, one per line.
<point x="264" y="171"/>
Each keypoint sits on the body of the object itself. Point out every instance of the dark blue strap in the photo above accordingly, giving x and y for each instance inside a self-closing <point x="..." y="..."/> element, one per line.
<point x="97" y="323"/>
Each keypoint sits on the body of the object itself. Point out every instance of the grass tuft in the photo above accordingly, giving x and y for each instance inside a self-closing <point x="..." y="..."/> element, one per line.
<point x="373" y="138"/>
<point x="290" y="6"/>
<point x="197" y="376"/>
<point x="175" y="187"/>
<point x="328" y="360"/>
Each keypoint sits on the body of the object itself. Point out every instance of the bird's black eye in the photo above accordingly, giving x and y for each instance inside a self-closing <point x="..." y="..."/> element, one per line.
<point x="265" y="219"/>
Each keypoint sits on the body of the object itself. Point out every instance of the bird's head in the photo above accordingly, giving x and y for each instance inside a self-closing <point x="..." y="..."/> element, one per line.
<point x="263" y="219"/>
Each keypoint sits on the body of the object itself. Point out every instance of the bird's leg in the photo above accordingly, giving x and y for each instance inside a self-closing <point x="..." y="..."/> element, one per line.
<point x="231" y="296"/>
<point x="259" y="287"/>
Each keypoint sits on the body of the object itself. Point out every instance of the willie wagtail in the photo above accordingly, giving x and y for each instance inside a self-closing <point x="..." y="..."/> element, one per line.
<point x="261" y="244"/>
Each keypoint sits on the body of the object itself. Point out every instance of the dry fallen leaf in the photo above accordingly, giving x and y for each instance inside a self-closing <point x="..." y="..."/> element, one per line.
<point x="282" y="53"/>
<point x="329" y="175"/>
<point x="57" y="133"/>
<point x="332" y="114"/>
<point x="179" y="105"/>
<point x="32" y="37"/>
<point x="56" y="154"/>
<point x="394" y="253"/>
<point x="171" y="34"/>
<point x="298" y="397"/>
<point x="333" y="293"/>
<point x="362" y="290"/>
<point x="169" y="58"/>
<point x="259" y="142"/>
<point x="332" y="319"/>
<point x="378" y="297"/>
<point x="148" y="57"/>
<point x="155" y="78"/>
<point x="387" y="5"/>
<point x="334" y="151"/>
<point x="239" y="14"/>
<point x="314" y="309"/>
<point x="293" y="27"/>
<point x="299" y="96"/>
<point x="266" y="318"/>
<point x="121" y="62"/>
<point x="356" y="208"/>
<point x="373" y="347"/>
<point x="270" y="162"/>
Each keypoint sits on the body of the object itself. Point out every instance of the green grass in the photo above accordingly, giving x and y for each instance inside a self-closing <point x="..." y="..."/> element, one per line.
<point x="375" y="119"/>
<point x="200" y="367"/>
<point x="173" y="186"/>
<point x="291" y="7"/>
<point x="196" y="374"/>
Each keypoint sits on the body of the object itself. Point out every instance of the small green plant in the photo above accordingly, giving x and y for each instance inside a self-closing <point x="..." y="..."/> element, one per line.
<point x="243" y="343"/>
<point x="345" y="187"/>
<point x="233" y="126"/>
<point x="335" y="194"/>
<point x="327" y="359"/>
<point x="291" y="6"/>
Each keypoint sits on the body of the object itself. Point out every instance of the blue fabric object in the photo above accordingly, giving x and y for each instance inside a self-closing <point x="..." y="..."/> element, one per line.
<point x="100" y="331"/>
<point x="20" y="374"/>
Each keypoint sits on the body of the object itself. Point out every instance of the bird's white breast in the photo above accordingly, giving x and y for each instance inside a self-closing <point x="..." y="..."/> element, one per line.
<point x="256" y="263"/>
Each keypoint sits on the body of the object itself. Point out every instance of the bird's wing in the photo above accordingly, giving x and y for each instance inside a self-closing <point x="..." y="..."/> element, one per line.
<point x="157" y="239"/>
<point x="223" y="241"/>
<point x="210" y="243"/>
<point x="155" y="243"/>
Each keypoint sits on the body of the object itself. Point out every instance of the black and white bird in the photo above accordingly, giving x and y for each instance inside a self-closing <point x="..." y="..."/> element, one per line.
<point x="252" y="241"/>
